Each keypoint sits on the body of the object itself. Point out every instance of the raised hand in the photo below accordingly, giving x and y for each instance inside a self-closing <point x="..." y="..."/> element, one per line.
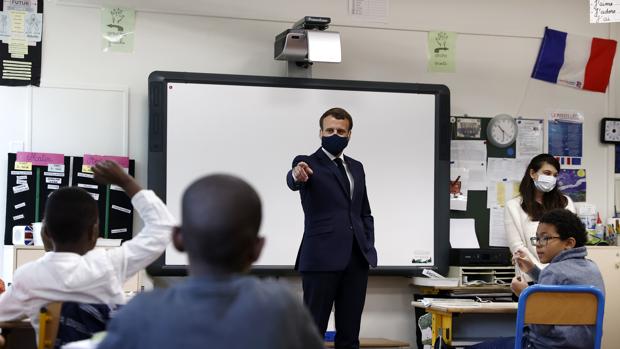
<point x="109" y="172"/>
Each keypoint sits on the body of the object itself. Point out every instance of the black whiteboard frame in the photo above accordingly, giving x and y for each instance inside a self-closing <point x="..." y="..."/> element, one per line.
<point x="157" y="145"/>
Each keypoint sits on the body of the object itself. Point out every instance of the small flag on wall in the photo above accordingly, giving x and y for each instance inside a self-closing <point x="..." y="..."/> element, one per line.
<point x="574" y="60"/>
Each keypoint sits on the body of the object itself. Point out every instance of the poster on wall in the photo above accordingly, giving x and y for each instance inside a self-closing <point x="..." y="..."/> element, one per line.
<point x="573" y="184"/>
<point x="21" y="28"/>
<point x="566" y="138"/>
<point x="117" y="29"/>
<point x="441" y="51"/>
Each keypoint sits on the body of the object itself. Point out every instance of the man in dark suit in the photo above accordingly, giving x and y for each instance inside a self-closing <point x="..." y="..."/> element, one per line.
<point x="338" y="242"/>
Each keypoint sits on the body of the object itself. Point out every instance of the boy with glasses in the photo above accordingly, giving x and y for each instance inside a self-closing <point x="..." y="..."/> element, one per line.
<point x="560" y="241"/>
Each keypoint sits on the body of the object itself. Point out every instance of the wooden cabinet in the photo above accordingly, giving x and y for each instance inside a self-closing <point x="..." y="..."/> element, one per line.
<point x="25" y="254"/>
<point x="608" y="260"/>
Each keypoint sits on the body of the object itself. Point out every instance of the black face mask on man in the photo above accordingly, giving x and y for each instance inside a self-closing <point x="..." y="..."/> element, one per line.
<point x="334" y="144"/>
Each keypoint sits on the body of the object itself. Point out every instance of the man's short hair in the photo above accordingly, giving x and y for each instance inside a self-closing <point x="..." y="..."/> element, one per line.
<point x="567" y="224"/>
<point x="339" y="114"/>
<point x="70" y="213"/>
<point x="221" y="218"/>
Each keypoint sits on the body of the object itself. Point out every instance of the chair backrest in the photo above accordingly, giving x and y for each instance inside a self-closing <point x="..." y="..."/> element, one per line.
<point x="65" y="322"/>
<point x="49" y="319"/>
<point x="561" y="305"/>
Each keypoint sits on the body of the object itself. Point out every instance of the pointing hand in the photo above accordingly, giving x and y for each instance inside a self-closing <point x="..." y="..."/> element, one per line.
<point x="302" y="172"/>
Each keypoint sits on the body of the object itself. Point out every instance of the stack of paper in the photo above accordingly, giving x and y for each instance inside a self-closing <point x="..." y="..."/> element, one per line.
<point x="424" y="281"/>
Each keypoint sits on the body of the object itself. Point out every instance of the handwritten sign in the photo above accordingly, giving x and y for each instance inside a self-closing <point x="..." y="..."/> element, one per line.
<point x="604" y="11"/>
<point x="40" y="159"/>
<point x="91" y="160"/>
<point x="23" y="166"/>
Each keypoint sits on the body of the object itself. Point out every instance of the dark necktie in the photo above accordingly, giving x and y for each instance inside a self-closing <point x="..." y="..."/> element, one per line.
<point x="343" y="174"/>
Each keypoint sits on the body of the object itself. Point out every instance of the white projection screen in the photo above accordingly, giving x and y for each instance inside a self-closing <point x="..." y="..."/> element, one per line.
<point x="253" y="127"/>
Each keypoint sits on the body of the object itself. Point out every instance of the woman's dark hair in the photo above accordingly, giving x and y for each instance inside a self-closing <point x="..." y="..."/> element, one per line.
<point x="567" y="224"/>
<point x="550" y="200"/>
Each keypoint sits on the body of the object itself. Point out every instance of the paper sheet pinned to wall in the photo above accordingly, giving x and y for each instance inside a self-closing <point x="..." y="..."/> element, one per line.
<point x="459" y="184"/>
<point x="606" y="11"/>
<point x="497" y="231"/>
<point x="474" y="150"/>
<point x="498" y="192"/>
<point x="459" y="180"/>
<point x="529" y="138"/>
<point x="499" y="169"/>
<point x="458" y="203"/>
<point x="463" y="233"/>
<point x="470" y="156"/>
<point x="369" y="10"/>
<point x="477" y="173"/>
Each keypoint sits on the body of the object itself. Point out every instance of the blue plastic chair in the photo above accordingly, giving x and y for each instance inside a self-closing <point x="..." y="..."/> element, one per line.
<point x="561" y="305"/>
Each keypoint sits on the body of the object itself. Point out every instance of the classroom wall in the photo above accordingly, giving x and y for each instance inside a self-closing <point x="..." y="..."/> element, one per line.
<point x="496" y="47"/>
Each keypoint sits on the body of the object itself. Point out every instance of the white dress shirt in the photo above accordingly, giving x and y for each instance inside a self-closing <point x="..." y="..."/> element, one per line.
<point x="97" y="276"/>
<point x="346" y="167"/>
<point x="520" y="227"/>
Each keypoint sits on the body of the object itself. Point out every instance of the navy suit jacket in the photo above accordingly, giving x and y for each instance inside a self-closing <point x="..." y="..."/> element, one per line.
<point x="332" y="218"/>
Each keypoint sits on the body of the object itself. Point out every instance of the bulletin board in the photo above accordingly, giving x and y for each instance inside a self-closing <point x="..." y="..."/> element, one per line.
<point x="477" y="199"/>
<point x="28" y="190"/>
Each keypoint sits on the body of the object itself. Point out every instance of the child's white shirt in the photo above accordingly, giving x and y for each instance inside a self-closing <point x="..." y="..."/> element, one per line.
<point x="97" y="276"/>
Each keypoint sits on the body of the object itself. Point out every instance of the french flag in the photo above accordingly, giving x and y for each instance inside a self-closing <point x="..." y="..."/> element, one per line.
<point x="574" y="60"/>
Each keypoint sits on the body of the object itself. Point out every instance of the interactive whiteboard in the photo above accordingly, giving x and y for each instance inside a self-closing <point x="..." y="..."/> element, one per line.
<point x="253" y="127"/>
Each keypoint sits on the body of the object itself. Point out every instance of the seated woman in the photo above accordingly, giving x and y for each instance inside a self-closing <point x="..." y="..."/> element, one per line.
<point x="559" y="241"/>
<point x="538" y="193"/>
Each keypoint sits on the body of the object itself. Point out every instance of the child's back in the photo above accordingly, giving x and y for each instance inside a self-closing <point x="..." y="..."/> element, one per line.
<point x="218" y="306"/>
<point x="215" y="312"/>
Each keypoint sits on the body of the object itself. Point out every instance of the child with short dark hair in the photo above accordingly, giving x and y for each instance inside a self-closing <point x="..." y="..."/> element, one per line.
<point x="72" y="270"/>
<point x="218" y="306"/>
<point x="560" y="241"/>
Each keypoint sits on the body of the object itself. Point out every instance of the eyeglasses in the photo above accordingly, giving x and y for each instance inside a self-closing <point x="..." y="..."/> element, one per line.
<point x="543" y="241"/>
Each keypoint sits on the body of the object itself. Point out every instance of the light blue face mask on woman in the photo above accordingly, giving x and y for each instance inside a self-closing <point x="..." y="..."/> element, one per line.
<point x="545" y="183"/>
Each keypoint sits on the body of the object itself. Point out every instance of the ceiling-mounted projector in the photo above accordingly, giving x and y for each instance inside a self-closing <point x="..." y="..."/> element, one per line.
<point x="307" y="41"/>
